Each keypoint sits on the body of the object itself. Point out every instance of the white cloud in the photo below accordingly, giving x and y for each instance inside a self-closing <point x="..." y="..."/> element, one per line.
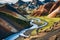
<point x="41" y="0"/>
<point x="55" y="0"/>
<point x="8" y="1"/>
<point x="26" y="0"/>
<point x="30" y="0"/>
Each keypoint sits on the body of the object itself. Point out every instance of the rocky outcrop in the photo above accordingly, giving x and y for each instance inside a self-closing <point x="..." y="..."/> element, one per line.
<point x="43" y="9"/>
<point x="55" y="6"/>
<point x="8" y="27"/>
<point x="54" y="13"/>
<point x="8" y="9"/>
<point x="10" y="24"/>
<point x="46" y="9"/>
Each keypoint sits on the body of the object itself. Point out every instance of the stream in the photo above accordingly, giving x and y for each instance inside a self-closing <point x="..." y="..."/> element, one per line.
<point x="21" y="33"/>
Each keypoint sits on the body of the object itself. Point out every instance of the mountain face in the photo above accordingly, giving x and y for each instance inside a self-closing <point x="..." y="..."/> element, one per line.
<point x="12" y="11"/>
<point x="17" y="24"/>
<point x="48" y="9"/>
<point x="8" y="13"/>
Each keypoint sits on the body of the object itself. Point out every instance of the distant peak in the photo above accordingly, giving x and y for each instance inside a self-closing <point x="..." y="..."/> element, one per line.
<point x="8" y="1"/>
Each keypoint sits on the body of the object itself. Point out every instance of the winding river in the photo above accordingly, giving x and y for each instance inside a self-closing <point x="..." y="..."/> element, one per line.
<point x="21" y="33"/>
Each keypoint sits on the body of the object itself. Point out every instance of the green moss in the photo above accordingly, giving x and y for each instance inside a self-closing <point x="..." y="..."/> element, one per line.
<point x="50" y="22"/>
<point x="45" y="18"/>
<point x="33" y="32"/>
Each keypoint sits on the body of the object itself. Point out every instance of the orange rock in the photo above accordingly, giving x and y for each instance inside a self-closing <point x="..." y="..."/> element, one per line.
<point x="37" y="12"/>
<point x="56" y="5"/>
<point x="47" y="8"/>
<point x="43" y="9"/>
<point x="54" y="13"/>
<point x="6" y="26"/>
